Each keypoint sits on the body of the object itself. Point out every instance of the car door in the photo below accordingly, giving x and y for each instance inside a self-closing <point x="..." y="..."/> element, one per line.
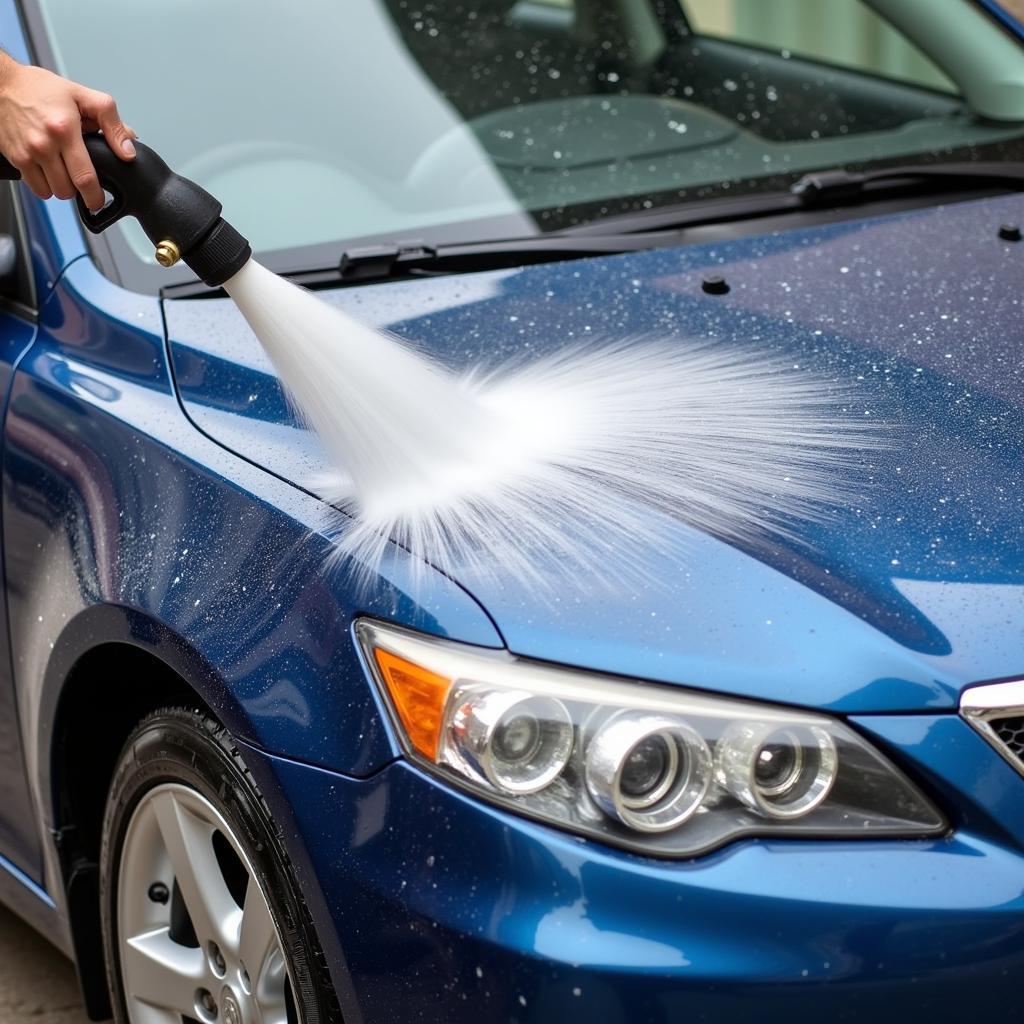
<point x="19" y="842"/>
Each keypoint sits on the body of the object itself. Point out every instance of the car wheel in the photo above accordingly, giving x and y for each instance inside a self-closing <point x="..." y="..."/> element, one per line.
<point x="202" y="920"/>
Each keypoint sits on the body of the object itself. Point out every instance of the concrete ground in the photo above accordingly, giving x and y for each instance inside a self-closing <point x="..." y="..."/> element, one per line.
<point x="36" y="982"/>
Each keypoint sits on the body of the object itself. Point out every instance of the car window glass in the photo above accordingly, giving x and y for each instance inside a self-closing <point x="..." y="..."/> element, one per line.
<point x="846" y="33"/>
<point x="376" y="121"/>
<point x="17" y="285"/>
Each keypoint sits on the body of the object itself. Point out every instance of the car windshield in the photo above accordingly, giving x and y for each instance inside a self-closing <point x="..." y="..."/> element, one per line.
<point x="325" y="122"/>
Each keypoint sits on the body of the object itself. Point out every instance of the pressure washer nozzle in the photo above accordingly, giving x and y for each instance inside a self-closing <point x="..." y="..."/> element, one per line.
<point x="181" y="219"/>
<point x="167" y="253"/>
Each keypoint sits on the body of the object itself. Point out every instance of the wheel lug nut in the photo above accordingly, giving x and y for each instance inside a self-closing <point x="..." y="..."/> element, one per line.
<point x="207" y="1002"/>
<point x="216" y="959"/>
<point x="159" y="893"/>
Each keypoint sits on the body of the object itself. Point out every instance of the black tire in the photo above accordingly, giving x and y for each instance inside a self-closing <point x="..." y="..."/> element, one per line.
<point x="174" y="745"/>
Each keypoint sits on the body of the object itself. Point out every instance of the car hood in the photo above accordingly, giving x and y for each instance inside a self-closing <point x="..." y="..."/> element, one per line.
<point x="895" y="602"/>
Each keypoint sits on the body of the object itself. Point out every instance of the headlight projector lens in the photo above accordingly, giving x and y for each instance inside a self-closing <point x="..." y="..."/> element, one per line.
<point x="650" y="772"/>
<point x="519" y="742"/>
<point x="780" y="772"/>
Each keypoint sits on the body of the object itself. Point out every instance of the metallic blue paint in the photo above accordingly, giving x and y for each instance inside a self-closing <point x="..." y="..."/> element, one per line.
<point x="19" y="839"/>
<point x="454" y="911"/>
<point x="888" y="605"/>
<point x="26" y="883"/>
<point x="129" y="513"/>
<point x="998" y="10"/>
<point x="158" y="502"/>
<point x="124" y="523"/>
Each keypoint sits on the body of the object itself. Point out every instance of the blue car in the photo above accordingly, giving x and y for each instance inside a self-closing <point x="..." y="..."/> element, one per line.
<point x="765" y="777"/>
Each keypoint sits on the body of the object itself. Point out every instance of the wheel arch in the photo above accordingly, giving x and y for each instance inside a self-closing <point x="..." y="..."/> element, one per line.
<point x="110" y="667"/>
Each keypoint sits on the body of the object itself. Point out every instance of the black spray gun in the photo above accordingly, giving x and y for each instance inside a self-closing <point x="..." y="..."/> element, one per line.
<point x="181" y="219"/>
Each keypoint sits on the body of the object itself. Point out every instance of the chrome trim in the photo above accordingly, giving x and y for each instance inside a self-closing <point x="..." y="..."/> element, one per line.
<point x="982" y="705"/>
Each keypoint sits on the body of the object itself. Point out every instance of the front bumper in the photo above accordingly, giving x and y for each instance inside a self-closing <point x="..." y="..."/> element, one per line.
<point x="445" y="909"/>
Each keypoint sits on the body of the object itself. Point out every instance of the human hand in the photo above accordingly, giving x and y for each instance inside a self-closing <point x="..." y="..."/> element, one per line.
<point x="42" y="119"/>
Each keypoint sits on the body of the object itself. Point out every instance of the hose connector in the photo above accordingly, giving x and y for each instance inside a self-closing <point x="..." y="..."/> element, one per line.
<point x="167" y="253"/>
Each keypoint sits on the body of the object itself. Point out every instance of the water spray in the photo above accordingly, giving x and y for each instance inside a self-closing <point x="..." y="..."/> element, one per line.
<point x="555" y="463"/>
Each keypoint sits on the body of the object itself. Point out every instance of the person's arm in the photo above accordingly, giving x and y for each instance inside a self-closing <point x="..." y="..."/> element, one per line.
<point x="42" y="118"/>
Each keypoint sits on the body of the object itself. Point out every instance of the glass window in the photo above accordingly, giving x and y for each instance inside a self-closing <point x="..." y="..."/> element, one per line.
<point x="326" y="124"/>
<point x="847" y="33"/>
<point x="16" y="285"/>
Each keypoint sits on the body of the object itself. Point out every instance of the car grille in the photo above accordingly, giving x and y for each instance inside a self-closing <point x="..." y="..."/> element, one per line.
<point x="1011" y="733"/>
<point x="996" y="710"/>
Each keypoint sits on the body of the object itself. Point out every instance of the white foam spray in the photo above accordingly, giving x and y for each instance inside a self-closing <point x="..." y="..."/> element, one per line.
<point x="557" y="460"/>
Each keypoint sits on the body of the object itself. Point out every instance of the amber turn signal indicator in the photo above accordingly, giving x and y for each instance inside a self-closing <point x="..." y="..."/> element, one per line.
<point x="418" y="697"/>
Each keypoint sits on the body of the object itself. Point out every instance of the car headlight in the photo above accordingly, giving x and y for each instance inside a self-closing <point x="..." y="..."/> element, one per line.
<point x="658" y="769"/>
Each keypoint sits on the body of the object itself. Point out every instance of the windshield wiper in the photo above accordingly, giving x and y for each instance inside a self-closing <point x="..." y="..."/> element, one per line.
<point x="422" y="259"/>
<point x="817" y="189"/>
<point x="650" y="229"/>
<point x="838" y="185"/>
<point x="402" y="259"/>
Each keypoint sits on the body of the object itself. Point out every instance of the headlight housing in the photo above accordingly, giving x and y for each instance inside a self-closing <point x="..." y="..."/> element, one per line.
<point x="657" y="769"/>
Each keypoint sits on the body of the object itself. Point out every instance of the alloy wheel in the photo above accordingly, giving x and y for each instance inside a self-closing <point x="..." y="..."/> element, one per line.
<point x="197" y="940"/>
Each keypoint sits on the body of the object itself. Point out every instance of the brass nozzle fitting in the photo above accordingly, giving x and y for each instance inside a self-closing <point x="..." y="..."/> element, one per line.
<point x="167" y="253"/>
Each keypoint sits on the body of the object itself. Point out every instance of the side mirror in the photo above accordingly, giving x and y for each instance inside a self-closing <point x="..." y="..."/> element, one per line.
<point x="8" y="257"/>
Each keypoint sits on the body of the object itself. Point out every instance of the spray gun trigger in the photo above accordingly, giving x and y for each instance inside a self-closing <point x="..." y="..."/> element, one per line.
<point x="113" y="209"/>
